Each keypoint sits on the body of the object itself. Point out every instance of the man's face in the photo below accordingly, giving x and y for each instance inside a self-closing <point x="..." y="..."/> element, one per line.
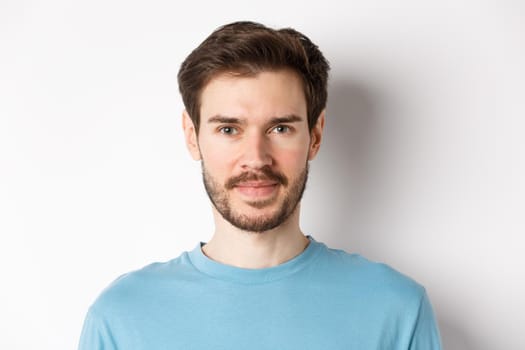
<point x="254" y="144"/>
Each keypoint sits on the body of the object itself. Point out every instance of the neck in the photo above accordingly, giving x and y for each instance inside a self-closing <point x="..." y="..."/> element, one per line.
<point x="250" y="250"/>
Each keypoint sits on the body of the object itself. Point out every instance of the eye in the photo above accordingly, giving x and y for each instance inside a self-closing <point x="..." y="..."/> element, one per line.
<point x="228" y="130"/>
<point x="281" y="129"/>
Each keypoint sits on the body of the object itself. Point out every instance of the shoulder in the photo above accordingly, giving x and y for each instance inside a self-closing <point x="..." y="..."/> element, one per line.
<point x="140" y="286"/>
<point x="380" y="294"/>
<point x="362" y="275"/>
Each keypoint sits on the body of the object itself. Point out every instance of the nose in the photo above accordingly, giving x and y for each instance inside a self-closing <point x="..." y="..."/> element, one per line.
<point x="255" y="152"/>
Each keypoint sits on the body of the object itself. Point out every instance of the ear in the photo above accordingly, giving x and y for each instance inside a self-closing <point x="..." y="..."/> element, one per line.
<point x="190" y="135"/>
<point x="316" y="135"/>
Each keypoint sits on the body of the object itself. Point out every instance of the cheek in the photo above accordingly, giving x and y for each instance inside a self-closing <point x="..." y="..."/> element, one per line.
<point x="216" y="159"/>
<point x="290" y="152"/>
<point x="293" y="160"/>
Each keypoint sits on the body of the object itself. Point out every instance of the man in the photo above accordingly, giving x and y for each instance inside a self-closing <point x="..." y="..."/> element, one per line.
<point x="255" y="109"/>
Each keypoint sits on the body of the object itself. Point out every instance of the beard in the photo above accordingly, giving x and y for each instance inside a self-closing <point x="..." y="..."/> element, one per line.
<point x="220" y="197"/>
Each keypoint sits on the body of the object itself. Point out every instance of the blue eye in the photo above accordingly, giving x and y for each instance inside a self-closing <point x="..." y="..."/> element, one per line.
<point x="228" y="130"/>
<point x="280" y="129"/>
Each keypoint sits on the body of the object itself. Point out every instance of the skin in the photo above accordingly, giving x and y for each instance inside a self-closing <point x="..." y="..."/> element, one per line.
<point x="249" y="123"/>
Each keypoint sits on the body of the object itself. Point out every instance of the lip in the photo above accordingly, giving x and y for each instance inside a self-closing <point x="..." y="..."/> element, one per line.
<point x="258" y="189"/>
<point x="256" y="184"/>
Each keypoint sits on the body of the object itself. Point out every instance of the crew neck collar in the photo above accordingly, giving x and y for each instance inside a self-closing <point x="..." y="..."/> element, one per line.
<point x="253" y="276"/>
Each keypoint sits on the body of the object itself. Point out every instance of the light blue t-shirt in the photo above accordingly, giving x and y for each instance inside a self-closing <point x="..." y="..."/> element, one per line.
<point x="323" y="299"/>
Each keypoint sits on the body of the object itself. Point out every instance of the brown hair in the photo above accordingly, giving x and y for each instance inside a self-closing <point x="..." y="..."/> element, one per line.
<point x="247" y="48"/>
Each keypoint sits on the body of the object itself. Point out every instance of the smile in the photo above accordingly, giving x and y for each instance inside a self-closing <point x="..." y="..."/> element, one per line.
<point x="257" y="188"/>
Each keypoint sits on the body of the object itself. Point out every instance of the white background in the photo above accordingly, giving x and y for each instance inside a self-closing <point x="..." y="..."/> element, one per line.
<point x="422" y="167"/>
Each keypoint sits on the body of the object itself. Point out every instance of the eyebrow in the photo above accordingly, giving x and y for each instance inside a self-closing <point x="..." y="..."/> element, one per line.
<point x="220" y="119"/>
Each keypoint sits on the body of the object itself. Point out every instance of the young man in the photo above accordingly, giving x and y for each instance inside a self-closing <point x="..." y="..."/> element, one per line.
<point x="255" y="100"/>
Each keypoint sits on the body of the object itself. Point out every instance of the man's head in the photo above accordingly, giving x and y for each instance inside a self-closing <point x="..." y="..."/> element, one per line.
<point x="255" y="100"/>
<point x="247" y="48"/>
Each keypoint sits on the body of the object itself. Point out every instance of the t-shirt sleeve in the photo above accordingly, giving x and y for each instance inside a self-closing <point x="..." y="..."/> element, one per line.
<point x="425" y="335"/>
<point x="95" y="334"/>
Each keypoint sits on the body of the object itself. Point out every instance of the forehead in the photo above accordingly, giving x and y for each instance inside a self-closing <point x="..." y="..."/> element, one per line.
<point x="262" y="95"/>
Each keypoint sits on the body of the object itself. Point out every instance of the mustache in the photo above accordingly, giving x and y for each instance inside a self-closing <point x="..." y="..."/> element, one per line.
<point x="265" y="174"/>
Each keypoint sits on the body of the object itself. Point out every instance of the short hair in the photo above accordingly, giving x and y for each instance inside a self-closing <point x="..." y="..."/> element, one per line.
<point x="248" y="48"/>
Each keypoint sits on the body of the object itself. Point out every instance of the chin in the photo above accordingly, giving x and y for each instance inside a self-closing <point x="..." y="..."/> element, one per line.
<point x="259" y="220"/>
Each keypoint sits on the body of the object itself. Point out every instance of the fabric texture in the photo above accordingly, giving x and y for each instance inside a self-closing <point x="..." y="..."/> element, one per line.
<point x="321" y="299"/>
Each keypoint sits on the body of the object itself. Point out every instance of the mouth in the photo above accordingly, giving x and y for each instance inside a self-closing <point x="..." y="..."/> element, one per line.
<point x="258" y="189"/>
